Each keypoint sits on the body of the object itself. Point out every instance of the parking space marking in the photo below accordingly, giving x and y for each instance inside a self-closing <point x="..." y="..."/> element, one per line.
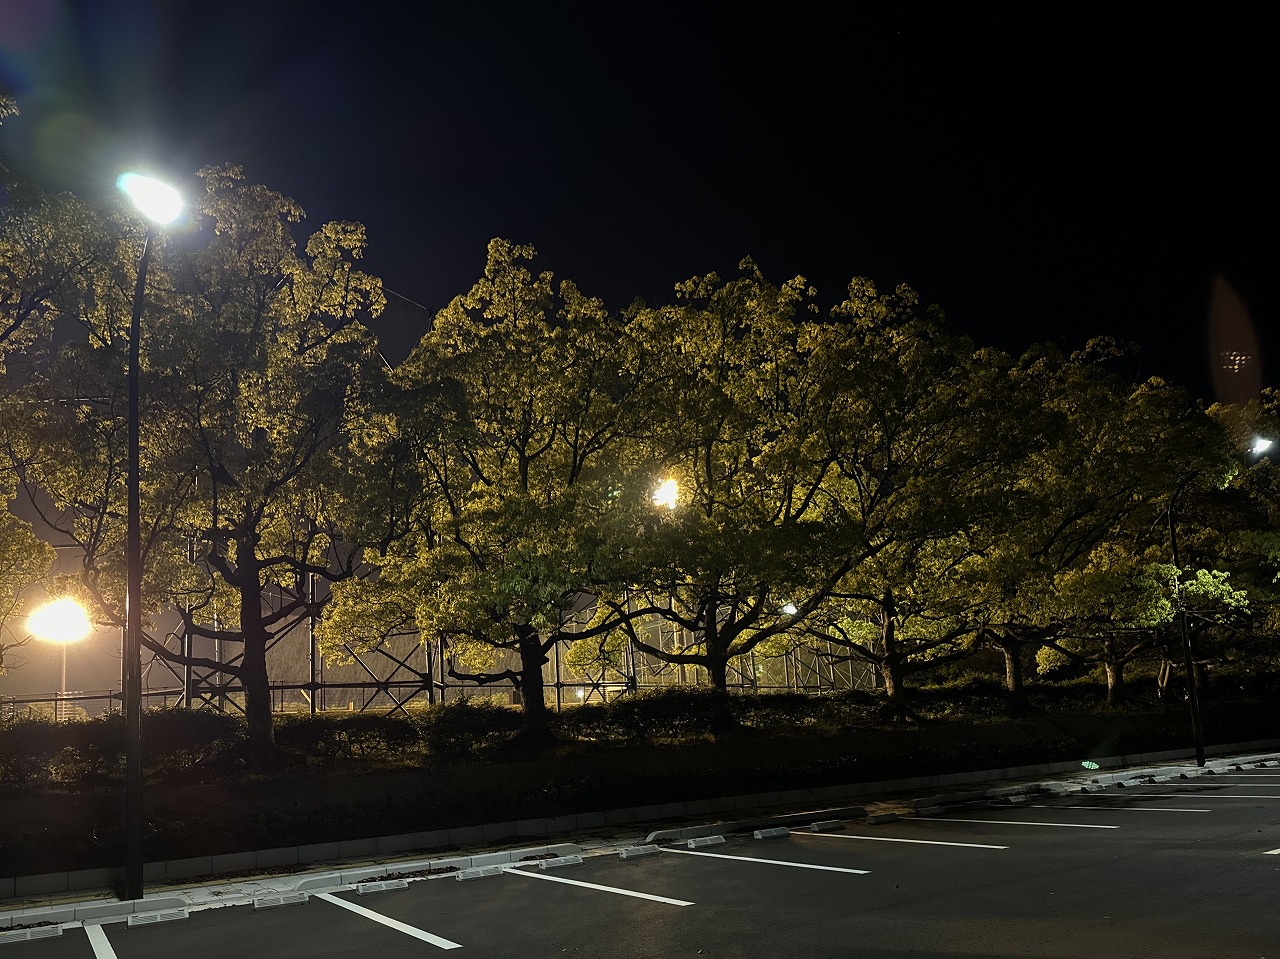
<point x="1199" y="794"/>
<point x="768" y="862"/>
<point x="98" y="939"/>
<point x="922" y="842"/>
<point x="1016" y="822"/>
<point x="1199" y="782"/>
<point x="1125" y="808"/>
<point x="395" y="924"/>
<point x="516" y="871"/>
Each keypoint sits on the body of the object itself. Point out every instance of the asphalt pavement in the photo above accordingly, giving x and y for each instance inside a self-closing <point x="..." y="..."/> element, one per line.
<point x="1165" y="860"/>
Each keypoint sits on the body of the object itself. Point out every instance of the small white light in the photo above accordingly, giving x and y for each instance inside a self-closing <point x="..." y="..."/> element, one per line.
<point x="157" y="201"/>
<point x="789" y="609"/>
<point x="1260" y="445"/>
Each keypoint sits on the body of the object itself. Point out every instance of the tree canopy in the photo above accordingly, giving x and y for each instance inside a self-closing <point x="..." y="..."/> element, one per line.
<point x="859" y="481"/>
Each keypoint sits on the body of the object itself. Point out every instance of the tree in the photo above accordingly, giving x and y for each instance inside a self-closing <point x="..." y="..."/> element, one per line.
<point x="756" y="539"/>
<point x="923" y="444"/>
<point x="1103" y="457"/>
<point x="255" y="364"/>
<point x="25" y="561"/>
<point x="525" y="392"/>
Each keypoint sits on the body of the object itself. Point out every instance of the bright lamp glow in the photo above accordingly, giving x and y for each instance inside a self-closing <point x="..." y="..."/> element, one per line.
<point x="157" y="201"/>
<point x="666" y="494"/>
<point x="62" y="621"/>
<point x="1260" y="445"/>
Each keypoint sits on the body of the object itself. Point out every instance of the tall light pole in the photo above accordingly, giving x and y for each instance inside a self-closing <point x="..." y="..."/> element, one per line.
<point x="1193" y="693"/>
<point x="159" y="203"/>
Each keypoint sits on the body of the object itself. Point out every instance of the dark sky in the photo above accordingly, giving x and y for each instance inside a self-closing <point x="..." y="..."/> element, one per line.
<point x="1042" y="171"/>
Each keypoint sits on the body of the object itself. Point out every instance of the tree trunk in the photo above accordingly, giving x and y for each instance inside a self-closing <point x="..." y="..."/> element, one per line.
<point x="1163" y="678"/>
<point x="532" y="696"/>
<point x="891" y="663"/>
<point x="1115" y="683"/>
<point x="896" y="707"/>
<point x="260" y="742"/>
<point x="718" y="673"/>
<point x="1011" y="649"/>
<point x="723" y="723"/>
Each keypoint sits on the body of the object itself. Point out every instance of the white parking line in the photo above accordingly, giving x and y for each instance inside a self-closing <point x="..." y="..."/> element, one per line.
<point x="1209" y="782"/>
<point x="1272" y="852"/>
<point x="923" y="842"/>
<point x="98" y="939"/>
<point x="516" y="871"/>
<point x="1016" y="822"/>
<point x="395" y="924"/>
<point x="1124" y="808"/>
<point x="1198" y="795"/>
<point x="767" y="862"/>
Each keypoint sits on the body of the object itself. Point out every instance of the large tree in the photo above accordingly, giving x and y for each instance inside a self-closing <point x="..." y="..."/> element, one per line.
<point x="923" y="446"/>
<point x="811" y="452"/>
<point x="255" y="363"/>
<point x="1101" y="458"/>
<point x="521" y="396"/>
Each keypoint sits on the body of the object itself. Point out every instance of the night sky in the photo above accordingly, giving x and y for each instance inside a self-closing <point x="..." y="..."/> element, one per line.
<point x="1043" y="172"/>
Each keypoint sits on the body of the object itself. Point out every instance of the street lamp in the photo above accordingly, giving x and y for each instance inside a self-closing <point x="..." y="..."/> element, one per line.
<point x="667" y="494"/>
<point x="159" y="203"/>
<point x="62" y="622"/>
<point x="1193" y="693"/>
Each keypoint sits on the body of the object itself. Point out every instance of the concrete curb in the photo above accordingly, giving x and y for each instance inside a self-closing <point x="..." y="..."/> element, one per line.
<point x="105" y="910"/>
<point x="682" y="833"/>
<point x="337" y="880"/>
<point x="87" y="912"/>
<point x="934" y="805"/>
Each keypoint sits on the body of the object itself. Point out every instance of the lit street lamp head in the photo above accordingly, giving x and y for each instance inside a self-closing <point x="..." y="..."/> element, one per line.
<point x="157" y="201"/>
<point x="668" y="494"/>
<point x="62" y="621"/>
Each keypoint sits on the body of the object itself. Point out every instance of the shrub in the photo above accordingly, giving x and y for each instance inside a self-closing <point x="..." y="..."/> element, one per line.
<point x="27" y="746"/>
<point x="463" y="729"/>
<point x="348" y="735"/>
<point x="180" y="740"/>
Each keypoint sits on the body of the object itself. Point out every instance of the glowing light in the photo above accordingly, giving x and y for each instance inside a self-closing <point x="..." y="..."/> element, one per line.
<point x="62" y="621"/>
<point x="1261" y="445"/>
<point x="789" y="609"/>
<point x="157" y="201"/>
<point x="667" y="494"/>
<point x="1089" y="764"/>
<point x="1234" y="362"/>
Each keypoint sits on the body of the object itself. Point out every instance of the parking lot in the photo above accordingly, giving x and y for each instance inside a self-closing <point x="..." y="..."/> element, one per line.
<point x="1183" y="868"/>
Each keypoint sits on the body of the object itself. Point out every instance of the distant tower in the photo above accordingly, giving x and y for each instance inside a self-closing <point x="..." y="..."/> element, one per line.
<point x="1234" y="357"/>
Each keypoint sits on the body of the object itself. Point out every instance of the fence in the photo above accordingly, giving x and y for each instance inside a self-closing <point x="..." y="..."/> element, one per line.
<point x="402" y="671"/>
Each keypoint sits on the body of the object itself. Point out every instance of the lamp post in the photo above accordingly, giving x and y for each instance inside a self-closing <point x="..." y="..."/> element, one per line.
<point x="1193" y="693"/>
<point x="63" y="622"/>
<point x="159" y="203"/>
